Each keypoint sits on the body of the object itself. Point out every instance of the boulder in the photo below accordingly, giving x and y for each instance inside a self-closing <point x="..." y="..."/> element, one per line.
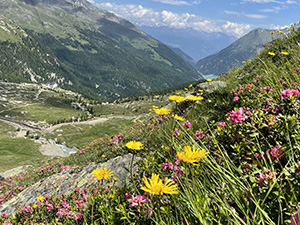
<point x="66" y="181"/>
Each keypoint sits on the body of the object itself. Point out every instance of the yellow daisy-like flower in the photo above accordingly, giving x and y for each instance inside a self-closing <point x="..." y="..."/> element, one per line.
<point x="157" y="186"/>
<point x="177" y="98"/>
<point x="244" y="62"/>
<point x="102" y="173"/>
<point x="195" y="98"/>
<point x="41" y="198"/>
<point x="179" y="118"/>
<point x="34" y="206"/>
<point x="209" y="80"/>
<point x="161" y="111"/>
<point x="190" y="85"/>
<point x="191" y="156"/>
<point x="284" y="53"/>
<point x="178" y="93"/>
<point x="135" y="145"/>
<point x="271" y="53"/>
<point x="279" y="32"/>
<point x="115" y="178"/>
<point x="272" y="32"/>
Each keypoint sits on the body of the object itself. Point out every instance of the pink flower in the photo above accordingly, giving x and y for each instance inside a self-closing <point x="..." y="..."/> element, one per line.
<point x="295" y="219"/>
<point x="199" y="135"/>
<point x="138" y="200"/>
<point x="4" y="215"/>
<point x="187" y="124"/>
<point x="127" y="196"/>
<point x="236" y="116"/>
<point x="274" y="152"/>
<point x="222" y="124"/>
<point x="236" y="98"/>
<point x="287" y="93"/>
<point x="296" y="70"/>
<point x="6" y="223"/>
<point x="257" y="156"/>
<point x="176" y="131"/>
<point x="167" y="165"/>
<point x="77" y="216"/>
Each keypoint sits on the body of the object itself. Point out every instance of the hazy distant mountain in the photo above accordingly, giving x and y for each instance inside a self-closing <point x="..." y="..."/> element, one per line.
<point x="197" y="44"/>
<point x="241" y="50"/>
<point x="98" y="53"/>
<point x="183" y="55"/>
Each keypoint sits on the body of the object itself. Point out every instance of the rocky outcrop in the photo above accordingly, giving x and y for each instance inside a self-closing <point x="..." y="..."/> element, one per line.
<point x="14" y="171"/>
<point x="210" y="86"/>
<point x="66" y="181"/>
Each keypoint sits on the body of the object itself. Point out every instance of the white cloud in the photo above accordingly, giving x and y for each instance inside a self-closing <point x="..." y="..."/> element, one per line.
<point x="173" y="2"/>
<point x="263" y="1"/>
<point x="139" y="15"/>
<point x="253" y="16"/>
<point x="236" y="29"/>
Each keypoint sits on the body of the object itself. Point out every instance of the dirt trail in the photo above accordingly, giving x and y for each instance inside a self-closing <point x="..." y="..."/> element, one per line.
<point x="51" y="149"/>
<point x="88" y="122"/>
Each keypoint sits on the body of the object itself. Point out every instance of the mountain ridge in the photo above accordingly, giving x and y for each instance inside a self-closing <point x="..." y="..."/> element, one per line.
<point x="101" y="54"/>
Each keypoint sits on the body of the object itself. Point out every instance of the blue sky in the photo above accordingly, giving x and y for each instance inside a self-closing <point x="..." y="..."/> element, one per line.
<point x="233" y="17"/>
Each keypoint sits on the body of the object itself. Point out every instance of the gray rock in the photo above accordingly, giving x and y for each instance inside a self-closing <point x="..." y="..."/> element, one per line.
<point x="210" y="86"/>
<point x="66" y="181"/>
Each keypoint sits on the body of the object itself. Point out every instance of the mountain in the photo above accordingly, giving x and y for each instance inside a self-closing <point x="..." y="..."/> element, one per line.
<point x="25" y="59"/>
<point x="197" y="44"/>
<point x="183" y="55"/>
<point x="243" y="49"/>
<point x="99" y="54"/>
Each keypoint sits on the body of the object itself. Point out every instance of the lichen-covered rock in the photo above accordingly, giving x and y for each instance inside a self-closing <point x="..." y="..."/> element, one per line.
<point x="210" y="86"/>
<point x="14" y="171"/>
<point x="66" y="181"/>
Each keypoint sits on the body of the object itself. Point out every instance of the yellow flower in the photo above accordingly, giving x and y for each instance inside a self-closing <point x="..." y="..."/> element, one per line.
<point x="271" y="53"/>
<point x="115" y="178"/>
<point x="195" y="98"/>
<point x="156" y="186"/>
<point x="190" y="85"/>
<point x="177" y="98"/>
<point x="154" y="107"/>
<point x="292" y="24"/>
<point x="244" y="62"/>
<point x="178" y="93"/>
<point x="284" y="53"/>
<point x="200" y="90"/>
<point x="34" y="206"/>
<point x="208" y="80"/>
<point x="272" y="32"/>
<point x="179" y="118"/>
<point x="102" y="173"/>
<point x="279" y="32"/>
<point x="103" y="156"/>
<point x="161" y="111"/>
<point x="41" y="198"/>
<point x="134" y="145"/>
<point x="191" y="156"/>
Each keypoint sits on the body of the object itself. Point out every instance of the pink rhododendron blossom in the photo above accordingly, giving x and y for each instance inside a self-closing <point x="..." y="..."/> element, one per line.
<point x="167" y="165"/>
<point x="236" y="98"/>
<point x="287" y="93"/>
<point x="127" y="196"/>
<point x="199" y="134"/>
<point x="296" y="70"/>
<point x="236" y="116"/>
<point x="295" y="219"/>
<point x="187" y="124"/>
<point x="138" y="200"/>
<point x="6" y="223"/>
<point x="274" y="152"/>
<point x="176" y="131"/>
<point x="4" y="215"/>
<point x="222" y="124"/>
<point x="78" y="216"/>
